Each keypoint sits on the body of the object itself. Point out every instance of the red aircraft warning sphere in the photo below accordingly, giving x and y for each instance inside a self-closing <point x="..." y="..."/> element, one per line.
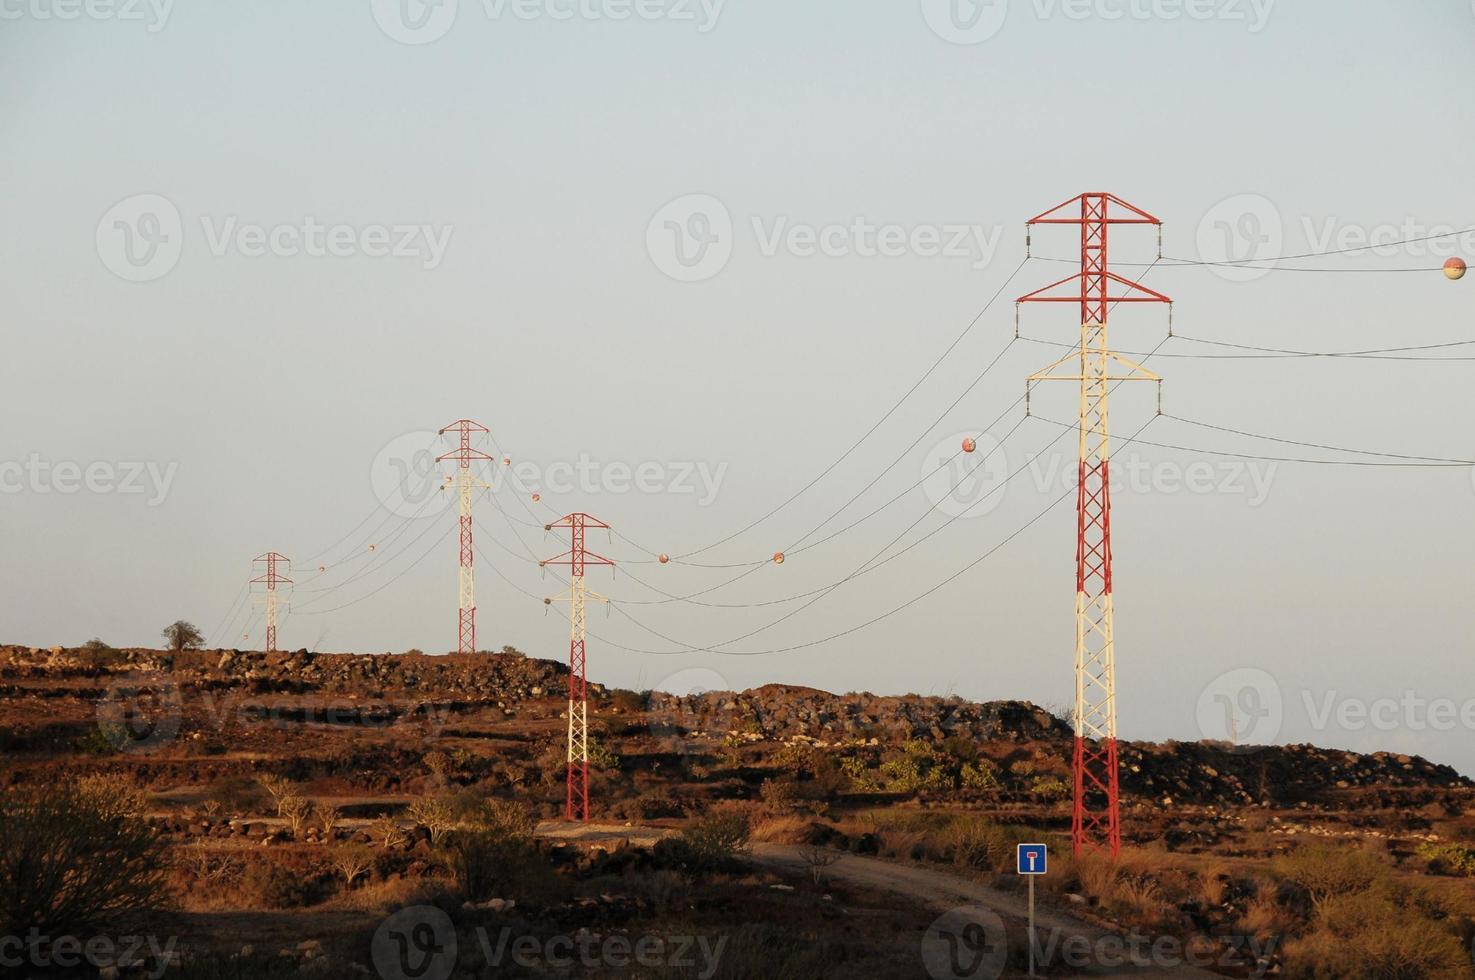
<point x="537" y="497"/>
<point x="506" y="460"/>
<point x="664" y="558"/>
<point x="1454" y="269"/>
<point x="778" y="557"/>
<point x="969" y="445"/>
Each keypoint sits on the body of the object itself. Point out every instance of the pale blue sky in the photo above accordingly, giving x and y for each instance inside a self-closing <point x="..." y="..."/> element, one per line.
<point x="544" y="147"/>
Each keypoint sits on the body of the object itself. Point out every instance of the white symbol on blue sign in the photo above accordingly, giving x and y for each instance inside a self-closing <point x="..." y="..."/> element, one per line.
<point x="1032" y="859"/>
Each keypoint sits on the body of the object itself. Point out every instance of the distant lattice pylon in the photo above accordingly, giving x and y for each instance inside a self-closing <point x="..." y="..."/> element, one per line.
<point x="465" y="484"/>
<point x="268" y="596"/>
<point x="577" y="558"/>
<point x="1096" y="816"/>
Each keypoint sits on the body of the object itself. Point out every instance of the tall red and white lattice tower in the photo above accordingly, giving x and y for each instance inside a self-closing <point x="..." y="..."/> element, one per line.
<point x="1096" y="819"/>
<point x="268" y="597"/>
<point x="577" y="558"/>
<point x="465" y="483"/>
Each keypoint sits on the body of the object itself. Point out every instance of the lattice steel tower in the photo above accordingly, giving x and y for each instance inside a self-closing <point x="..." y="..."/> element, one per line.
<point x="1096" y="819"/>
<point x="466" y="486"/>
<point x="271" y="579"/>
<point x="576" y="558"/>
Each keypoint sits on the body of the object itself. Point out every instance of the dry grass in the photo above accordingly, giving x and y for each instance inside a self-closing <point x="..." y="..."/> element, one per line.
<point x="791" y="829"/>
<point x="385" y="897"/>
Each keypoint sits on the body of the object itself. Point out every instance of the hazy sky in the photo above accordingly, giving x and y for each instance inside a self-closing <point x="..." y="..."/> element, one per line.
<point x="254" y="255"/>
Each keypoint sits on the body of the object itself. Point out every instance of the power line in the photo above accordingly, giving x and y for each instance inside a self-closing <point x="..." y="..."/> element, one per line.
<point x="866" y="435"/>
<point x="1318" y="445"/>
<point x="1283" y="459"/>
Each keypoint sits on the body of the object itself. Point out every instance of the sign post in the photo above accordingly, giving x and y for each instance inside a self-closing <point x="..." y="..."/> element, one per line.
<point x="1032" y="861"/>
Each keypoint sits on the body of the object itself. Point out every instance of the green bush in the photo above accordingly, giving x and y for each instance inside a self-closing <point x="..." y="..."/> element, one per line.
<point x="981" y="774"/>
<point x="1448" y="858"/>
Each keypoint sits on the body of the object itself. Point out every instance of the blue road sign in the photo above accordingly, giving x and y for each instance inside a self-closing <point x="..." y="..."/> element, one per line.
<point x="1033" y="859"/>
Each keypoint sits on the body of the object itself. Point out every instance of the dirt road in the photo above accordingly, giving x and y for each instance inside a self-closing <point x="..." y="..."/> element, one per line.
<point x="1094" y="951"/>
<point x="944" y="892"/>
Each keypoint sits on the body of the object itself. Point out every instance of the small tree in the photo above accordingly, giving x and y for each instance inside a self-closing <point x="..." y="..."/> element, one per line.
<point x="438" y="763"/>
<point x="295" y="810"/>
<point x="327" y="819"/>
<point x="352" y="861"/>
<point x="818" y="859"/>
<point x="182" y="635"/>
<point x="435" y="814"/>
<point x="386" y="831"/>
<point x="279" y="787"/>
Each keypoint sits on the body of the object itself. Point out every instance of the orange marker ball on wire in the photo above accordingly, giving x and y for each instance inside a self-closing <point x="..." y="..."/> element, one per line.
<point x="537" y="497"/>
<point x="1454" y="269"/>
<point x="778" y="557"/>
<point x="664" y="558"/>
<point x="969" y="445"/>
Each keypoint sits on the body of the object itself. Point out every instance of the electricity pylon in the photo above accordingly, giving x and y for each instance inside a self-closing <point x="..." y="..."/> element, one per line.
<point x="271" y="579"/>
<point x="576" y="558"/>
<point x="466" y="486"/>
<point x="1096" y="817"/>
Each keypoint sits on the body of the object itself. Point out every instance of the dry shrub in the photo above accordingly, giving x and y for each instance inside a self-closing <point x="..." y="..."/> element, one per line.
<point x="665" y="890"/>
<point x="779" y="795"/>
<point x="72" y="863"/>
<point x="719" y="834"/>
<point x="906" y="845"/>
<point x="111" y="796"/>
<point x="1214" y="884"/>
<point x="1265" y="918"/>
<point x="1400" y="948"/>
<point x="983" y="845"/>
<point x="1324" y="870"/>
<point x="269" y="885"/>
